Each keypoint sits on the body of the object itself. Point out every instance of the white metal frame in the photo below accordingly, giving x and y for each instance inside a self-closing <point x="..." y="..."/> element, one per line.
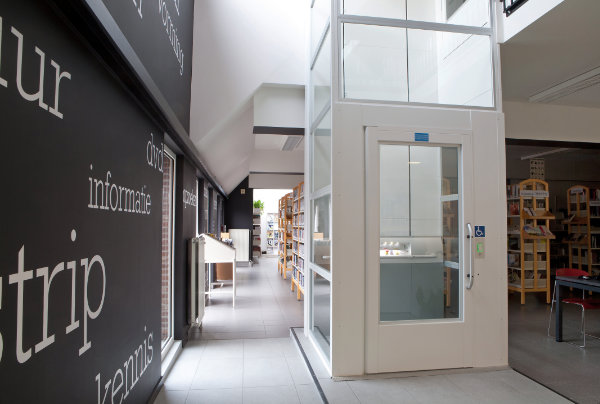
<point x="169" y="342"/>
<point x="340" y="18"/>
<point x="314" y="121"/>
<point x="374" y="137"/>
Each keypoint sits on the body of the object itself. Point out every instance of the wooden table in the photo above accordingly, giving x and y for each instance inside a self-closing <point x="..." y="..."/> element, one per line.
<point x="575" y="283"/>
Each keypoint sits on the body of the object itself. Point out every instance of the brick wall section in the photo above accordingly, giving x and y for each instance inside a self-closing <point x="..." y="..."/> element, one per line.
<point x="166" y="246"/>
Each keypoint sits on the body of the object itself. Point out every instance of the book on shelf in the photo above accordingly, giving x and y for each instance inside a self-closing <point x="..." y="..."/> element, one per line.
<point x="541" y="230"/>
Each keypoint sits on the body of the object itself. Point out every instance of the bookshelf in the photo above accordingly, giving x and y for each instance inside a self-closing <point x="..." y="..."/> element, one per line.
<point x="583" y="225"/>
<point x="595" y="230"/>
<point x="272" y="233"/>
<point x="256" y="248"/>
<point x="529" y="235"/>
<point x="284" y="264"/>
<point x="297" y="281"/>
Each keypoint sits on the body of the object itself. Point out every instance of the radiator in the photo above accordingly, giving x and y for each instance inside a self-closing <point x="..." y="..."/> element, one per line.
<point x="196" y="277"/>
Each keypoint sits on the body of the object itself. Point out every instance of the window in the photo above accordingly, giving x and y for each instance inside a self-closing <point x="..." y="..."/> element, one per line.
<point x="318" y="224"/>
<point x="418" y="51"/>
<point x="419" y="66"/>
<point x="168" y="199"/>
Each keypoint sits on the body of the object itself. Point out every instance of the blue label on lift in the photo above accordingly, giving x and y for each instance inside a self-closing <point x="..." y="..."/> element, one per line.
<point x="421" y="137"/>
<point x="479" y="231"/>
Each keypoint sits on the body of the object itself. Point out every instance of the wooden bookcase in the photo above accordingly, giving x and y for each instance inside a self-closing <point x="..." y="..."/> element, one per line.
<point x="284" y="264"/>
<point x="298" y="241"/>
<point x="583" y="225"/>
<point x="528" y="228"/>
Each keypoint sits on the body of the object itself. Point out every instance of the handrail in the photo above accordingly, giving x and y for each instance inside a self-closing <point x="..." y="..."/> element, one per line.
<point x="510" y="6"/>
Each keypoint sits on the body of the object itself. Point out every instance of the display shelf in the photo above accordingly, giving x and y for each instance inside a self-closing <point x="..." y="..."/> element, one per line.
<point x="297" y="281"/>
<point x="529" y="235"/>
<point x="284" y="263"/>
<point x="583" y="233"/>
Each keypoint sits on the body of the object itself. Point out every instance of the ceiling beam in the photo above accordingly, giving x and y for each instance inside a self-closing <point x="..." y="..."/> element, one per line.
<point x="278" y="130"/>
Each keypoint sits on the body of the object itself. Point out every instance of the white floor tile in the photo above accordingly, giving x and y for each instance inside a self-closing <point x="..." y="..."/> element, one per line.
<point x="224" y="349"/>
<point x="171" y="397"/>
<point x="308" y="394"/>
<point x="215" y="396"/>
<point x="263" y="348"/>
<point x="218" y="373"/>
<point x="271" y="395"/>
<point x="338" y="392"/>
<point x="382" y="391"/>
<point x="264" y="372"/>
<point x="299" y="371"/>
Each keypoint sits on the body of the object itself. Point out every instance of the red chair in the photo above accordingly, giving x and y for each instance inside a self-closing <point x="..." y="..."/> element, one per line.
<point x="585" y="304"/>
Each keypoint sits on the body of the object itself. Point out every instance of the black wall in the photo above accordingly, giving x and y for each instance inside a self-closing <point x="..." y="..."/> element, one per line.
<point x="161" y="36"/>
<point x="238" y="207"/>
<point x="50" y="225"/>
<point x="185" y="229"/>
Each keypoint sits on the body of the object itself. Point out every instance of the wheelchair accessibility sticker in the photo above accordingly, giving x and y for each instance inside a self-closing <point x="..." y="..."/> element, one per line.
<point x="479" y="231"/>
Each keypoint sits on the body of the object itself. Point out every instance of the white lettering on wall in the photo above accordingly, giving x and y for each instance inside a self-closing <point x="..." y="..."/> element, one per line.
<point x="128" y="375"/>
<point x="189" y="198"/>
<point x="89" y="313"/>
<point x="59" y="76"/>
<point x="154" y="154"/>
<point x="38" y="95"/>
<point x="171" y="31"/>
<point x="114" y="197"/>
<point x="21" y="276"/>
<point x="139" y="7"/>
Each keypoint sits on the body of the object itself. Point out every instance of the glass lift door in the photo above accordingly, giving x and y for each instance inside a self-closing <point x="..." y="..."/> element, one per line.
<point x="418" y="268"/>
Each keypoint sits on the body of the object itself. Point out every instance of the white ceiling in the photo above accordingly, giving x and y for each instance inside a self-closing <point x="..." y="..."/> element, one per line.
<point x="269" y="142"/>
<point x="514" y="152"/>
<point x="239" y="48"/>
<point x="562" y="44"/>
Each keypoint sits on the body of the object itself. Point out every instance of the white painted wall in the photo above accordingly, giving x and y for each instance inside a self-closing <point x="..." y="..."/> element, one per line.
<point x="283" y="181"/>
<point x="240" y="45"/>
<point x="527" y="14"/>
<point x="277" y="161"/>
<point x="551" y="122"/>
<point x="490" y="347"/>
<point x="279" y="106"/>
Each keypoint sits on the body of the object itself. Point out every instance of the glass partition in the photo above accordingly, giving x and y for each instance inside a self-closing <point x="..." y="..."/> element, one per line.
<point x="419" y="233"/>
<point x="375" y="64"/>
<point x="458" y="12"/>
<point x="320" y="237"/>
<point x="320" y="79"/>
<point x="319" y="16"/>
<point x="321" y="154"/>
<point x="411" y="65"/>
<point x="321" y="312"/>
<point x="318" y="225"/>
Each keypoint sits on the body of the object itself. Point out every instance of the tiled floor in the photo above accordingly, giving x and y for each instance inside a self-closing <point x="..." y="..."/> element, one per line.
<point x="245" y="355"/>
<point x="566" y="368"/>
<point x="500" y="386"/>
